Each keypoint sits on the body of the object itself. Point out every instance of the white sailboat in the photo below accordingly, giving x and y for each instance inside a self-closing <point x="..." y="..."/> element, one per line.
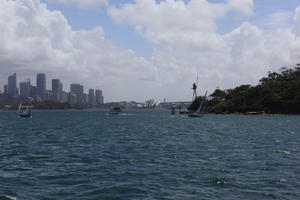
<point x="25" y="111"/>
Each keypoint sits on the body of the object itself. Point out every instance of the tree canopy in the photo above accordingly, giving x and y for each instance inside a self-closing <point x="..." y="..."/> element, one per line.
<point x="277" y="93"/>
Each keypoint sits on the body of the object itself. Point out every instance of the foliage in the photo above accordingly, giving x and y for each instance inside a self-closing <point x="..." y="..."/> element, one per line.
<point x="277" y="93"/>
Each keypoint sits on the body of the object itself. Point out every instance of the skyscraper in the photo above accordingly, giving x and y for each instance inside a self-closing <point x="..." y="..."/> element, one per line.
<point x="77" y="89"/>
<point x="72" y="98"/>
<point x="56" y="89"/>
<point x="12" y="86"/>
<point x="5" y="89"/>
<point x="41" y="85"/>
<point x="25" y="90"/>
<point x="91" y="97"/>
<point x="32" y="91"/>
<point x="99" y="97"/>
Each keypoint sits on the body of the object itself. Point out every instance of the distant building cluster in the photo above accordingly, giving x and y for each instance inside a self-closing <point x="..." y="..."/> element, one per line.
<point x="26" y="91"/>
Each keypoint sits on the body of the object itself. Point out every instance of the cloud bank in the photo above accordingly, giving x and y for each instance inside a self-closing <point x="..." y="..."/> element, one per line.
<point x="34" y="39"/>
<point x="189" y="32"/>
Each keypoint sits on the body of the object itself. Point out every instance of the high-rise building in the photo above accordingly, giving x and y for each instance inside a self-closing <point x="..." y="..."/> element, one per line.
<point x="99" y="97"/>
<point x="56" y="90"/>
<point x="77" y="89"/>
<point x="85" y="98"/>
<point x="64" y="97"/>
<point x="32" y="91"/>
<point x="41" y="85"/>
<point x="91" y="96"/>
<point x="48" y="95"/>
<point x="12" y="86"/>
<point x="5" y="90"/>
<point x="25" y="90"/>
<point x="72" y="98"/>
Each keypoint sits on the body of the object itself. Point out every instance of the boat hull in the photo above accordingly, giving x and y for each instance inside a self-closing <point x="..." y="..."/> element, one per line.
<point x="24" y="116"/>
<point x="113" y="113"/>
<point x="196" y="115"/>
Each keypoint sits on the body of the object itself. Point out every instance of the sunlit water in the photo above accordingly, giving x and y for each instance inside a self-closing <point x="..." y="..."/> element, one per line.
<point x="90" y="155"/>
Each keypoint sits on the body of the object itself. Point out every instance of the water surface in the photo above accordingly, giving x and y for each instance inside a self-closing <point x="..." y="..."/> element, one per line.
<point x="148" y="155"/>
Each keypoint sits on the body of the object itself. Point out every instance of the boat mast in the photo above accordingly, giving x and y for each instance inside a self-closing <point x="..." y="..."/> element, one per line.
<point x="20" y="106"/>
<point x="194" y="88"/>
<point x="201" y="108"/>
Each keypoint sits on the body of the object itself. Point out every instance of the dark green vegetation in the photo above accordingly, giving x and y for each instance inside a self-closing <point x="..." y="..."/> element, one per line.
<point x="278" y="93"/>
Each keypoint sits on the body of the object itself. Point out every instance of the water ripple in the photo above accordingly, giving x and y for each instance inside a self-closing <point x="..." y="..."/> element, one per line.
<point x="148" y="155"/>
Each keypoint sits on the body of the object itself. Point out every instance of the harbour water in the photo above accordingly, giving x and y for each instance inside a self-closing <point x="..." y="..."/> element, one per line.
<point x="149" y="155"/>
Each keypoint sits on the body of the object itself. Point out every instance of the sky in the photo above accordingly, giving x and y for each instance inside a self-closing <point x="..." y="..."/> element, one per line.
<point x="148" y="49"/>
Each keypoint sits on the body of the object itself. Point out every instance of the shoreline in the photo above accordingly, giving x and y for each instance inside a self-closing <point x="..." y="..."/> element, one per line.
<point x="103" y="109"/>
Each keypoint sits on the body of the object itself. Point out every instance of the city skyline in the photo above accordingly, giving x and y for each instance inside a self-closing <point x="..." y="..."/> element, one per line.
<point x="16" y="91"/>
<point x="33" y="81"/>
<point x="144" y="49"/>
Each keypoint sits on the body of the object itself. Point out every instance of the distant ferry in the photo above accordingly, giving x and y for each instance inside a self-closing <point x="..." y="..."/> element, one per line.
<point x="114" y="110"/>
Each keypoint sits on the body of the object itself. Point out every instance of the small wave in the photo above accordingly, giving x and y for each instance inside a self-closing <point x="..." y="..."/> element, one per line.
<point x="123" y="114"/>
<point x="6" y="197"/>
<point x="282" y="151"/>
<point x="282" y="180"/>
<point x="219" y="181"/>
<point x="178" y="116"/>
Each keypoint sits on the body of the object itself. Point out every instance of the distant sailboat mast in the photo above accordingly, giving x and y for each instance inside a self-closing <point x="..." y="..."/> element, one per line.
<point x="201" y="109"/>
<point x="195" y="85"/>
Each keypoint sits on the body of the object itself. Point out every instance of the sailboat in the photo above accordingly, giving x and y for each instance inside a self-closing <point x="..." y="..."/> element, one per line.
<point x="25" y="111"/>
<point x="201" y="109"/>
<point x="173" y="110"/>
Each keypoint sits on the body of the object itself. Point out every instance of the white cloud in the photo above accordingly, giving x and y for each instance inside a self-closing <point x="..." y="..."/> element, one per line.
<point x="179" y="23"/>
<point x="297" y="21"/>
<point x="244" y="6"/>
<point x="279" y="19"/>
<point x="34" y="39"/>
<point x="189" y="30"/>
<point x="82" y="3"/>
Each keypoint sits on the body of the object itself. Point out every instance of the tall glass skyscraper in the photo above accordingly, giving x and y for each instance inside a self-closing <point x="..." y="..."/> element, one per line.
<point x="91" y="97"/>
<point x="12" y="85"/>
<point x="77" y="89"/>
<point x="99" y="97"/>
<point x="41" y="85"/>
<point x="25" y="90"/>
<point x="56" y="89"/>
